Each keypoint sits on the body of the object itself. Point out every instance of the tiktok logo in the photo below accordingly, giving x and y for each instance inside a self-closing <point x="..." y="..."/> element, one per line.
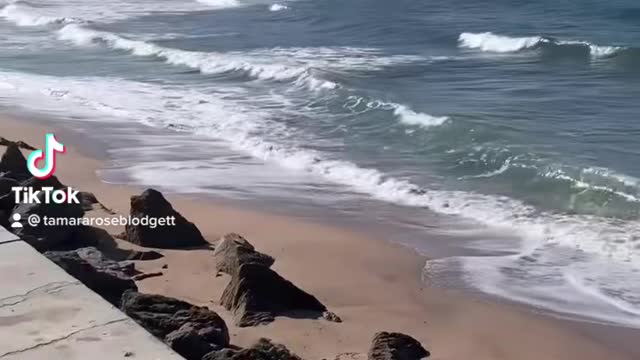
<point x="52" y="146"/>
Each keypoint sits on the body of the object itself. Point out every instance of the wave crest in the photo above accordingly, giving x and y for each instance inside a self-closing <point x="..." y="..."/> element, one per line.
<point x="23" y="15"/>
<point x="494" y="43"/>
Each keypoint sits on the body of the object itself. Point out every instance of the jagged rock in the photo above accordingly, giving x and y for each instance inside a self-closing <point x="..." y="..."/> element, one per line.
<point x="151" y="203"/>
<point x="233" y="250"/>
<point x="330" y="316"/>
<point x="41" y="237"/>
<point x="192" y="342"/>
<point x="396" y="346"/>
<point x="7" y="197"/>
<point x="144" y="255"/>
<point x="13" y="161"/>
<point x="256" y="294"/>
<point x="20" y="144"/>
<point x="264" y="349"/>
<point x="187" y="328"/>
<point x="38" y="184"/>
<point x="101" y="275"/>
<point x="87" y="200"/>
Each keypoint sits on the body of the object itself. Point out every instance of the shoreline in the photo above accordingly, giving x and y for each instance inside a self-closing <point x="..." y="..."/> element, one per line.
<point x="372" y="284"/>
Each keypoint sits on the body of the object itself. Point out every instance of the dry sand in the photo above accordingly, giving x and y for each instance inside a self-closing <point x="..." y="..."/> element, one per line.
<point x="372" y="284"/>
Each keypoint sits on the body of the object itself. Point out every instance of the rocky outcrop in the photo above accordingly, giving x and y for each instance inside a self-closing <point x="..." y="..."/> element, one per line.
<point x="264" y="349"/>
<point x="192" y="331"/>
<point x="256" y="294"/>
<point x="152" y="204"/>
<point x="233" y="250"/>
<point x="41" y="237"/>
<point x="396" y="346"/>
<point x="13" y="161"/>
<point x="106" y="277"/>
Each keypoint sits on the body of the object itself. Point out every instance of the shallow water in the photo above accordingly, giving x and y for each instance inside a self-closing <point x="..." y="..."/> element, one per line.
<point x="512" y="121"/>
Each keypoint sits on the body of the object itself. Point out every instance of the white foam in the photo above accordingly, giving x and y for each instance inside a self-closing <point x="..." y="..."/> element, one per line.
<point x="491" y="42"/>
<point x="220" y="3"/>
<point x="23" y="15"/>
<point x="278" y="7"/>
<point x="410" y="117"/>
<point x="251" y="130"/>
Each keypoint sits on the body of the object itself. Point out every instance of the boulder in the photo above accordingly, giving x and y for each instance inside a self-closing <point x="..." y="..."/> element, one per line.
<point x="8" y="201"/>
<point x="101" y="275"/>
<point x="264" y="349"/>
<point x="233" y="250"/>
<point x="256" y="294"/>
<point x="190" y="330"/>
<point x="44" y="238"/>
<point x="396" y="346"/>
<point x="13" y="161"/>
<point x="193" y="342"/>
<point x="144" y="255"/>
<point x="152" y="204"/>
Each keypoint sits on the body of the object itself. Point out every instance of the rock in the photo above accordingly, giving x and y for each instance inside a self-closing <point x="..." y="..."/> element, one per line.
<point x="38" y="184"/>
<point x="44" y="238"/>
<point x="233" y="250"/>
<point x="87" y="200"/>
<point x="165" y="266"/>
<point x="329" y="316"/>
<point x="147" y="275"/>
<point x="188" y="329"/>
<point x="256" y="294"/>
<point x="20" y="144"/>
<point x="192" y="342"/>
<point x="98" y="273"/>
<point x="151" y="203"/>
<point x="12" y="160"/>
<point x="396" y="346"/>
<point x="7" y="197"/>
<point x="264" y="349"/>
<point x="144" y="255"/>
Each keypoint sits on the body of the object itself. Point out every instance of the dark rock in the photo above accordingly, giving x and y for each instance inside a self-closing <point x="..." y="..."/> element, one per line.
<point x="20" y="144"/>
<point x="87" y="200"/>
<point x="7" y="197"/>
<point x="189" y="329"/>
<point x="12" y="160"/>
<point x="147" y="275"/>
<point x="101" y="275"/>
<point x="256" y="294"/>
<point x="396" y="346"/>
<point x="38" y="184"/>
<point x="233" y="250"/>
<point x="144" y="255"/>
<point x="193" y="342"/>
<point x="44" y="238"/>
<point x="264" y="349"/>
<point x="151" y="203"/>
<point x="165" y="266"/>
<point x="330" y="316"/>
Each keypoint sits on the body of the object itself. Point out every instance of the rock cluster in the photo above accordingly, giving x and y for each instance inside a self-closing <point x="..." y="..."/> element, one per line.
<point x="255" y="294"/>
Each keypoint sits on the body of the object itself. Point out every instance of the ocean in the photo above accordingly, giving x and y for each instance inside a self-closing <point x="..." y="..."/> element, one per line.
<point x="507" y="129"/>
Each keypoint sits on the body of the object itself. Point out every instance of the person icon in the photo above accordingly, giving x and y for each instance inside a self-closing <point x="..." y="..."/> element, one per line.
<point x="16" y="221"/>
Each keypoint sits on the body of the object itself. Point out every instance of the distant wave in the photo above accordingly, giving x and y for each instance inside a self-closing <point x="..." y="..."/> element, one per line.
<point x="206" y="62"/>
<point x="24" y="15"/>
<point x="220" y="3"/>
<point x="490" y="42"/>
<point x="296" y="65"/>
<point x="407" y="116"/>
<point x="278" y="7"/>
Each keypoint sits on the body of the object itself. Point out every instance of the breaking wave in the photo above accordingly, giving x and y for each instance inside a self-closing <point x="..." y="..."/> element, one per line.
<point x="23" y="15"/>
<point x="278" y="7"/>
<point x="494" y="43"/>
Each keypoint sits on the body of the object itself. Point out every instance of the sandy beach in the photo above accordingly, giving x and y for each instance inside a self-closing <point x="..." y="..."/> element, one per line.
<point x="370" y="283"/>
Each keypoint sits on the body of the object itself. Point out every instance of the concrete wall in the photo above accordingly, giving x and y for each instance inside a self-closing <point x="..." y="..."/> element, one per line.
<point x="45" y="314"/>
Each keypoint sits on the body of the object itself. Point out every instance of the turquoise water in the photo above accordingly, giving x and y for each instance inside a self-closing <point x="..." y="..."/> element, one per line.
<point x="509" y="117"/>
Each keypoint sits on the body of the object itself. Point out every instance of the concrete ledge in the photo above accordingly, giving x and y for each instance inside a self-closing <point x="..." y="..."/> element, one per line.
<point x="6" y="236"/>
<point x="47" y="314"/>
